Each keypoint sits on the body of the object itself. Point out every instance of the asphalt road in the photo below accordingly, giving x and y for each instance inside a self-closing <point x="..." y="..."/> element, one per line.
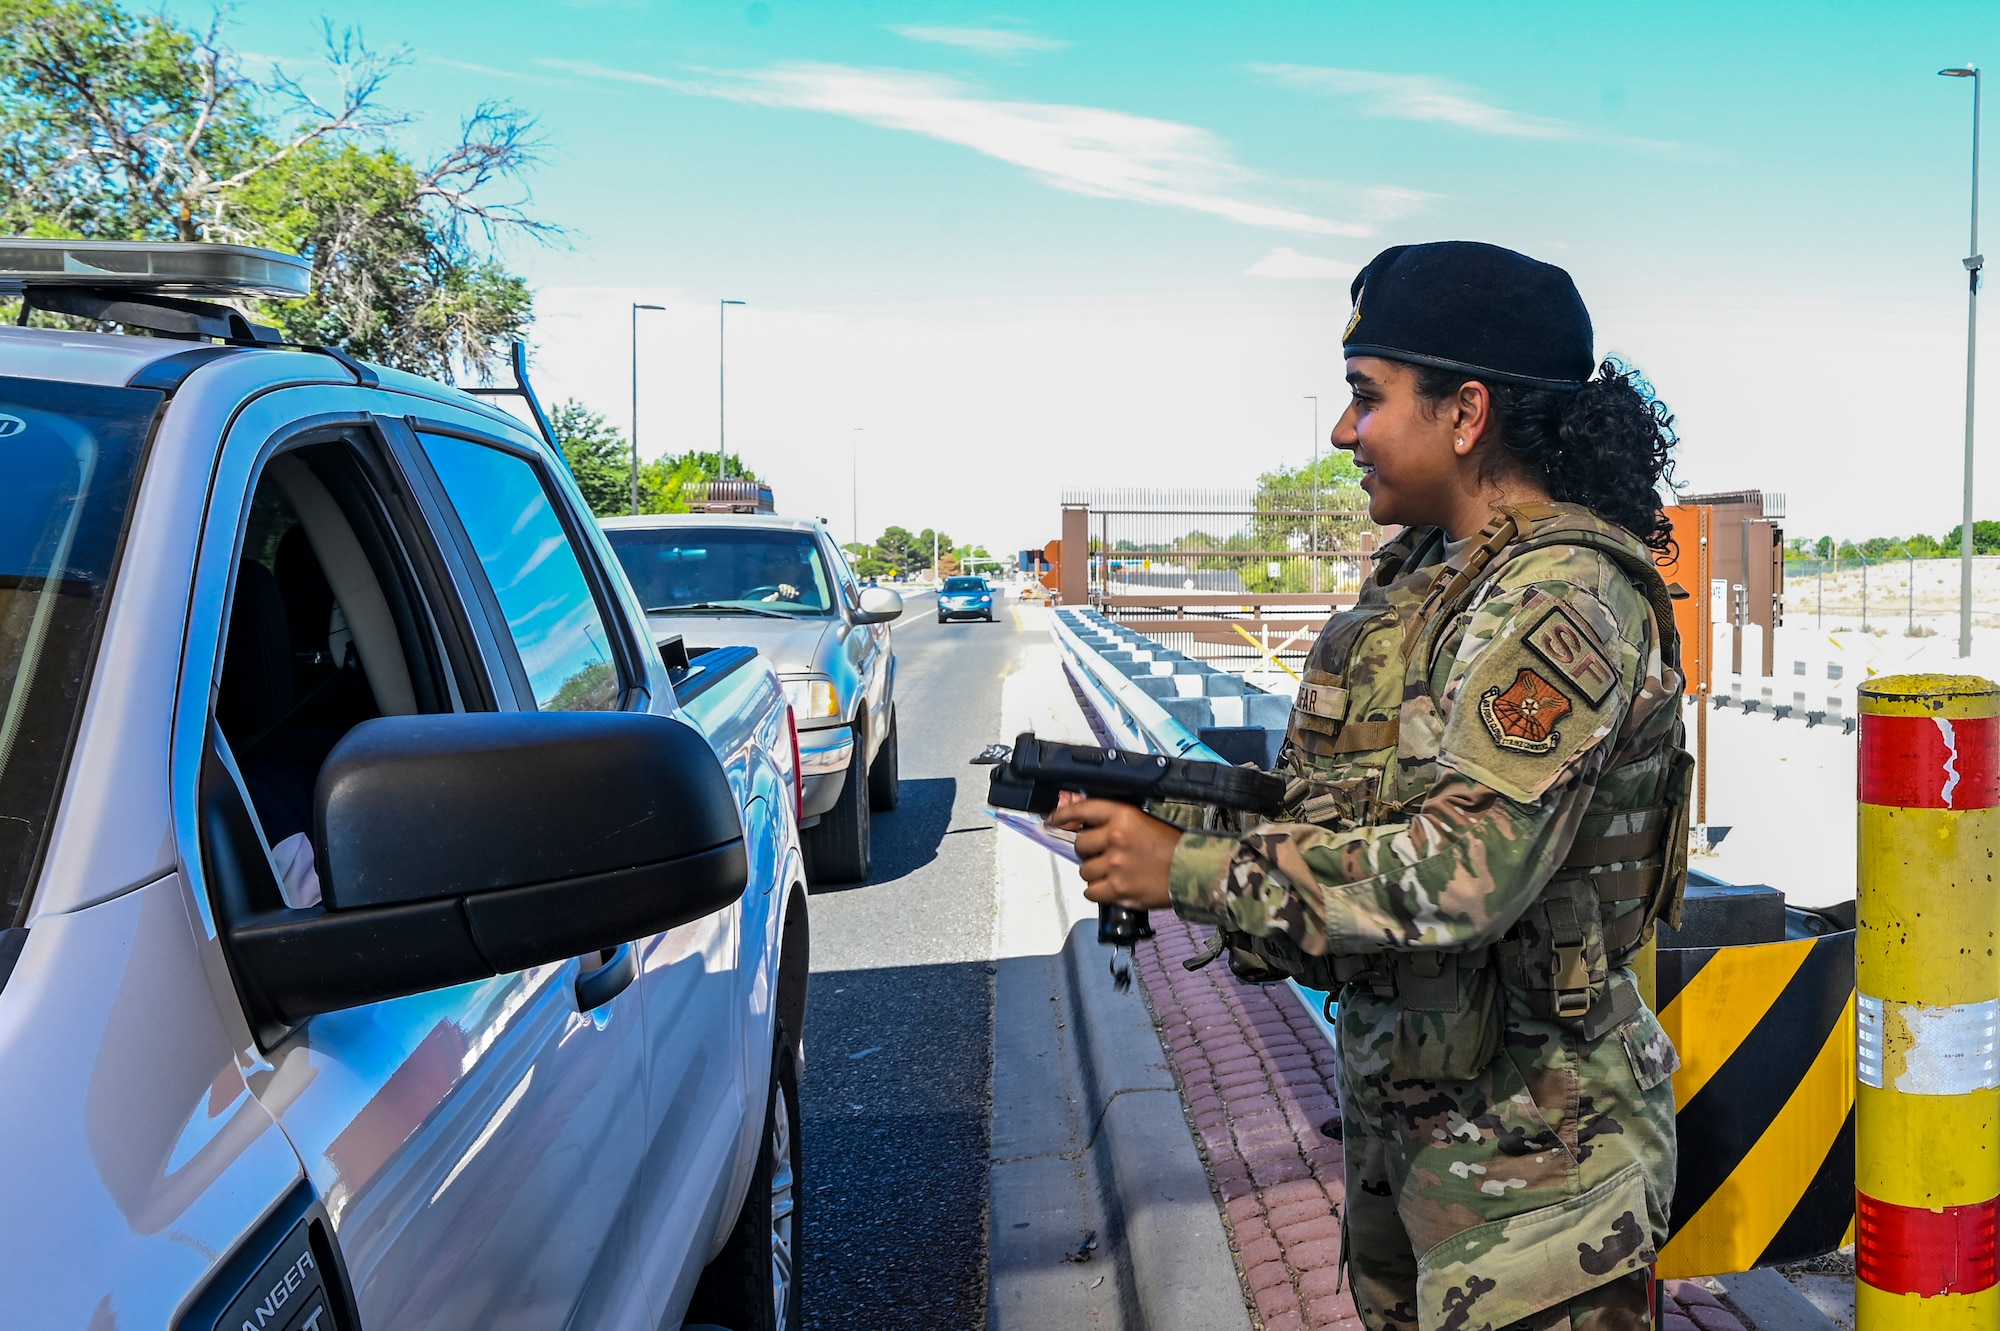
<point x="899" y="1024"/>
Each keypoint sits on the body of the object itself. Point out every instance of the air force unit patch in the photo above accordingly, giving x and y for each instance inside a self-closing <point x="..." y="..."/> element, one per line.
<point x="1523" y="717"/>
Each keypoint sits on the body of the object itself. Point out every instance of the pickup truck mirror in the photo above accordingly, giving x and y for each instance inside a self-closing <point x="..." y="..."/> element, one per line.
<point x="878" y="605"/>
<point x="456" y="847"/>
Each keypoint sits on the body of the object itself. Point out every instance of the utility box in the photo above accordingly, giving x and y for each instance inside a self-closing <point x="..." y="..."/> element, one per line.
<point x="1747" y="552"/>
<point x="1073" y="569"/>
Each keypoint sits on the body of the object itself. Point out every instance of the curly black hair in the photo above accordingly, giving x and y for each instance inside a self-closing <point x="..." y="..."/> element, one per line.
<point x="1607" y="446"/>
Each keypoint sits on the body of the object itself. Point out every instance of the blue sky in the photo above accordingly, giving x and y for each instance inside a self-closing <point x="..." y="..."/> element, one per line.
<point x="1071" y="245"/>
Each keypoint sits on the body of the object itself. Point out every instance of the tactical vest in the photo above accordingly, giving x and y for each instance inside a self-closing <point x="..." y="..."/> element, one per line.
<point x="1362" y="750"/>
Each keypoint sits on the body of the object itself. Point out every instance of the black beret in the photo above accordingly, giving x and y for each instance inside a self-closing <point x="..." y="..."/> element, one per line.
<point x="1461" y="305"/>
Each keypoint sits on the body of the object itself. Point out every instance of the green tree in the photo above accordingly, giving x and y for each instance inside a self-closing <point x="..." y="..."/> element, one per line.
<point x="116" y="126"/>
<point x="668" y="483"/>
<point x="865" y="563"/>
<point x="598" y="457"/>
<point x="927" y="541"/>
<point x="1286" y="499"/>
<point x="395" y="278"/>
<point x="1985" y="538"/>
<point x="1287" y="496"/>
<point x="900" y="549"/>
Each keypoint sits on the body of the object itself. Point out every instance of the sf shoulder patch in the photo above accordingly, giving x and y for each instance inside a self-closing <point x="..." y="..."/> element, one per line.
<point x="1523" y="716"/>
<point x="1572" y="649"/>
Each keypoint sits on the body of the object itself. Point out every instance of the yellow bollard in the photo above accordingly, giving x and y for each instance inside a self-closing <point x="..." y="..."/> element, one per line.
<point x="1927" y="1107"/>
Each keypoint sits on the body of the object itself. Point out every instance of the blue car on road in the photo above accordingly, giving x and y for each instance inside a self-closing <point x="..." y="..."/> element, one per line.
<point x="965" y="598"/>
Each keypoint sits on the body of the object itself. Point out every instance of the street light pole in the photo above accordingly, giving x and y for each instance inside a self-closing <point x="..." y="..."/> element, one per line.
<point x="1973" y="263"/>
<point x="636" y="307"/>
<point x="854" y="486"/>
<point x="722" y="387"/>
<point x="1312" y="540"/>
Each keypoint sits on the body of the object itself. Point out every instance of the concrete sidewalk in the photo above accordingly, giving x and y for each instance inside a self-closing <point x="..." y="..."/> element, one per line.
<point x="1101" y="1214"/>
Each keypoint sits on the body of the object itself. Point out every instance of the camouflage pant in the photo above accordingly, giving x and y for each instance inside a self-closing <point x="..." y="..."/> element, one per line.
<point x="1534" y="1193"/>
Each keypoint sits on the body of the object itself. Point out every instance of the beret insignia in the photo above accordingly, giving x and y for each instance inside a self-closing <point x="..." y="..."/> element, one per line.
<point x="1354" y="319"/>
<point x="1523" y="717"/>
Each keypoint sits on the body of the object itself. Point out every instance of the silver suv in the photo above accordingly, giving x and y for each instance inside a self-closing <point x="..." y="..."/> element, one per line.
<point x="782" y="586"/>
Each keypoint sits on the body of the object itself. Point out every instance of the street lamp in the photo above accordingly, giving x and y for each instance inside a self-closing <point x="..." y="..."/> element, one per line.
<point x="636" y="307"/>
<point x="1973" y="264"/>
<point x="722" y="387"/>
<point x="854" y="486"/>
<point x="1312" y="561"/>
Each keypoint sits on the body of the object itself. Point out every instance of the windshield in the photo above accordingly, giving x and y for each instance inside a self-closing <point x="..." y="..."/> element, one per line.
<point x="696" y="569"/>
<point x="965" y="584"/>
<point x="69" y="456"/>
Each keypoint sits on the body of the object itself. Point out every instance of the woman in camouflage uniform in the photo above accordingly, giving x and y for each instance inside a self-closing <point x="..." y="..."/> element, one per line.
<point x="1489" y="811"/>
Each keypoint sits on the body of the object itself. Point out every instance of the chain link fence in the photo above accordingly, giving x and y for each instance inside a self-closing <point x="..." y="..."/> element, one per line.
<point x="1888" y="593"/>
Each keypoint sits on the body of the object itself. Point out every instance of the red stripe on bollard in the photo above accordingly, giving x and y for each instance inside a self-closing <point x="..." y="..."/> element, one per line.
<point x="1923" y="762"/>
<point x="1909" y="1250"/>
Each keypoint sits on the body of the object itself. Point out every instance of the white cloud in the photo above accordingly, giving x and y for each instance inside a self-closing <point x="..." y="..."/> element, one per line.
<point x="991" y="41"/>
<point x="1285" y="262"/>
<point x="1423" y="97"/>
<point x="1082" y="149"/>
<point x="490" y="72"/>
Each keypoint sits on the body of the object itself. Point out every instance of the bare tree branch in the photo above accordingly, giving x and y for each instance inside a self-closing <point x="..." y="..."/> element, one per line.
<point x="497" y="141"/>
<point x="361" y="74"/>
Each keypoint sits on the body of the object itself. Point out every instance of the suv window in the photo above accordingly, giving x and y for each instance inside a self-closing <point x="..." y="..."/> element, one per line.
<point x="69" y="460"/>
<point x="966" y="585"/>
<point x="535" y="574"/>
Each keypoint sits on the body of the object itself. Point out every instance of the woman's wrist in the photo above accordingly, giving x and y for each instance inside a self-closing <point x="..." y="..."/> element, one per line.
<point x="1197" y="877"/>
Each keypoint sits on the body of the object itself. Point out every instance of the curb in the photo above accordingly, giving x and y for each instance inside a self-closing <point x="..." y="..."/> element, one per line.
<point x="1089" y="1133"/>
<point x="1160" y="1213"/>
<point x="1769" y="1302"/>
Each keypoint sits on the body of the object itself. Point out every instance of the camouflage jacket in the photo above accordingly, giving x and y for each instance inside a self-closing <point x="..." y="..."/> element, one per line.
<point x="1448" y="762"/>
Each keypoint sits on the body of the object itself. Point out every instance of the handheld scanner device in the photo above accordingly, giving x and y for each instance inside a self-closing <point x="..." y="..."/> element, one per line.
<point x="1036" y="772"/>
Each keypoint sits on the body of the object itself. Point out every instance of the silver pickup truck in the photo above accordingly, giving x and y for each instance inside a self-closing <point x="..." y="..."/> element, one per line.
<point x="781" y="585"/>
<point x="392" y="934"/>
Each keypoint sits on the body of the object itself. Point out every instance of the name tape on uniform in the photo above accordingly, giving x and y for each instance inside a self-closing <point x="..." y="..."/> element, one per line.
<point x="1328" y="702"/>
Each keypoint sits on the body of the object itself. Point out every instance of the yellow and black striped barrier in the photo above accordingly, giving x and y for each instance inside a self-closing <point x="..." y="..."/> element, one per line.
<point x="1765" y="1102"/>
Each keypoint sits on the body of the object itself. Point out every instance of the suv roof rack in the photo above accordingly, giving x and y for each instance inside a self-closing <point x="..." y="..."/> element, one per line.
<point x="151" y="284"/>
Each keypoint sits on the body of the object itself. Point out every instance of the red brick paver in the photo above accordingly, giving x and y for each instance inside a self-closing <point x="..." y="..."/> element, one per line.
<point x="1257" y="1080"/>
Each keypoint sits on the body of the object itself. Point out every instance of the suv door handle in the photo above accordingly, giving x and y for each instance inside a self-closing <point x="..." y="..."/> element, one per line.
<point x="595" y="988"/>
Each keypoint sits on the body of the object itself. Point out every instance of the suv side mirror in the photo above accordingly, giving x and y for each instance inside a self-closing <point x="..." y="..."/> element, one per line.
<point x="878" y="605"/>
<point x="455" y="847"/>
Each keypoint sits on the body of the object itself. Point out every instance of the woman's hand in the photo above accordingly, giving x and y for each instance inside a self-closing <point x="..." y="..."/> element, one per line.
<point x="1125" y="852"/>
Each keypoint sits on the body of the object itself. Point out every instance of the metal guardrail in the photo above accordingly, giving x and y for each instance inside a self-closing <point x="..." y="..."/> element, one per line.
<point x="1135" y="720"/>
<point x="1132" y="717"/>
